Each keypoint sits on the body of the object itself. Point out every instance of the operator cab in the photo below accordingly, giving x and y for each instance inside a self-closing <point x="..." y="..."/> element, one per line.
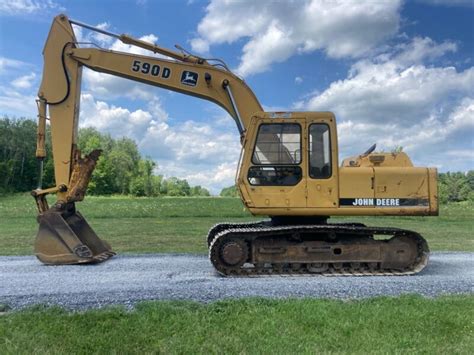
<point x="289" y="160"/>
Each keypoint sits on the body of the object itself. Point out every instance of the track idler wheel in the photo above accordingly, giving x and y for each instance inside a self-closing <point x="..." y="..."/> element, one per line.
<point x="229" y="255"/>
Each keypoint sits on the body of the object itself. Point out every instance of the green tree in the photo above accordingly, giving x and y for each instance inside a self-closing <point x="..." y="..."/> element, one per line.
<point x="156" y="184"/>
<point x="18" y="163"/>
<point x="120" y="169"/>
<point x="90" y="139"/>
<point x="124" y="158"/>
<point x="145" y="183"/>
<point x="145" y="170"/>
<point x="230" y="191"/>
<point x="137" y="186"/>
<point x="457" y="186"/>
<point x="443" y="193"/>
<point x="103" y="180"/>
<point x="177" y="187"/>
<point x="199" y="191"/>
<point x="470" y="179"/>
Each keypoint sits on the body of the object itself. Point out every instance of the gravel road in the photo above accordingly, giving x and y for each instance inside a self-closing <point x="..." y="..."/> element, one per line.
<point x="128" y="279"/>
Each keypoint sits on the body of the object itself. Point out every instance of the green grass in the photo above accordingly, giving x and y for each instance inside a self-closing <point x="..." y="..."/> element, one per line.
<point x="134" y="225"/>
<point x="382" y="325"/>
<point x="148" y="225"/>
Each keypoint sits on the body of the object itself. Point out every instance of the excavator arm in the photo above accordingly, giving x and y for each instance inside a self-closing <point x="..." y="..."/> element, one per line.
<point x="60" y="88"/>
<point x="64" y="235"/>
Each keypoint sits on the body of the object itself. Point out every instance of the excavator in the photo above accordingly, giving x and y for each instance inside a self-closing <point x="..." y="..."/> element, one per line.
<point x="288" y="171"/>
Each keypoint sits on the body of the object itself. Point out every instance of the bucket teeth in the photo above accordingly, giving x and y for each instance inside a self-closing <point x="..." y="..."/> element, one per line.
<point x="104" y="256"/>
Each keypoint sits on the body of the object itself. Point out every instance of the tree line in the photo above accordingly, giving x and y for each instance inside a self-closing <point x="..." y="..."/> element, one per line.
<point x="121" y="168"/>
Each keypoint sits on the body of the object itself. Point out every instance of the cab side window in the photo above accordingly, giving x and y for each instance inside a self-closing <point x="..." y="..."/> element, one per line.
<point x="319" y="151"/>
<point x="277" y="155"/>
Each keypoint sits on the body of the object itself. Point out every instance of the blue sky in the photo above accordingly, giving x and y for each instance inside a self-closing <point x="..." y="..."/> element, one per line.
<point x="398" y="73"/>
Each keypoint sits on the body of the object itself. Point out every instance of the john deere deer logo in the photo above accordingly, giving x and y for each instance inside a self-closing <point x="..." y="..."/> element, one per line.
<point x="189" y="78"/>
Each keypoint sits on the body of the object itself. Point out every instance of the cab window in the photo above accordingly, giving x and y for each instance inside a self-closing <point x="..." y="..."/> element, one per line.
<point x="274" y="175"/>
<point x="319" y="151"/>
<point x="277" y="155"/>
<point x="278" y="143"/>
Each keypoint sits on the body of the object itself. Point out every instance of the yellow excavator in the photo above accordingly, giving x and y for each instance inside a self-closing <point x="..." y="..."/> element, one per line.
<point x="288" y="171"/>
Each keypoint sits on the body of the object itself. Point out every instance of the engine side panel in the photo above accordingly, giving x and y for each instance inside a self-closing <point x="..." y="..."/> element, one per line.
<point x="366" y="191"/>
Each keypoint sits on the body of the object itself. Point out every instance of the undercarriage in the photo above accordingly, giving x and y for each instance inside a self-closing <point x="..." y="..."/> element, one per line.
<point x="263" y="248"/>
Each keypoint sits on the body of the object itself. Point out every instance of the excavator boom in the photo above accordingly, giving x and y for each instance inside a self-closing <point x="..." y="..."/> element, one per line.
<point x="64" y="236"/>
<point x="62" y="74"/>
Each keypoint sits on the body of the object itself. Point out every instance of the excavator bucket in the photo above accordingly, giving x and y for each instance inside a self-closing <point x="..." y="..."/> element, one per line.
<point x="64" y="237"/>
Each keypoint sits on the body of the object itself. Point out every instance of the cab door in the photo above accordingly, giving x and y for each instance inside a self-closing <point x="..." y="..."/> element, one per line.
<point x="273" y="170"/>
<point x="322" y="163"/>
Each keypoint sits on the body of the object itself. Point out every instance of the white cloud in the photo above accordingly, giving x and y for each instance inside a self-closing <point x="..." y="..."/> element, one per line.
<point x="17" y="104"/>
<point x="200" y="45"/>
<point x="395" y="99"/>
<point x="298" y="80"/>
<point x="198" y="152"/>
<point x="435" y="132"/>
<point x="274" y="45"/>
<point x="21" y="7"/>
<point x="462" y="118"/>
<point x="117" y="121"/>
<point x="396" y="86"/>
<point x="275" y="31"/>
<point x="381" y="92"/>
<point x="156" y="109"/>
<point x="16" y="98"/>
<point x="106" y="86"/>
<point x="214" y="179"/>
<point x="24" y="82"/>
<point x="7" y="63"/>
<point x="190" y="142"/>
<point x="421" y="49"/>
<point x="102" y="39"/>
<point x="462" y="153"/>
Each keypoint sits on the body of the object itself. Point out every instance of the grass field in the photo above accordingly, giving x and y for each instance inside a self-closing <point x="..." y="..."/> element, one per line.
<point x="147" y="225"/>
<point x="408" y="324"/>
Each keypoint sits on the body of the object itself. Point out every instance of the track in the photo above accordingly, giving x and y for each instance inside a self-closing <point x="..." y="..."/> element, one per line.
<point x="274" y="250"/>
<point x="127" y="279"/>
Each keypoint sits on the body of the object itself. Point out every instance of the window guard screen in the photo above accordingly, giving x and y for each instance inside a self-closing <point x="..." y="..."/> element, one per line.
<point x="278" y="143"/>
